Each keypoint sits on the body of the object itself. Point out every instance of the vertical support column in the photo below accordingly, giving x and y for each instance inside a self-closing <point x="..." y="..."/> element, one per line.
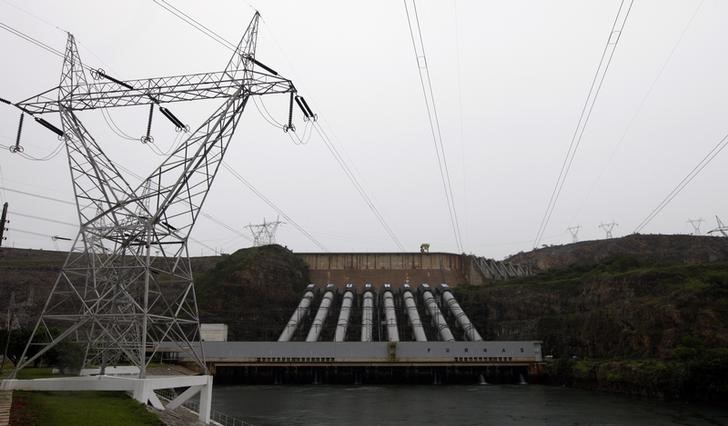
<point x="206" y="401"/>
<point x="147" y="271"/>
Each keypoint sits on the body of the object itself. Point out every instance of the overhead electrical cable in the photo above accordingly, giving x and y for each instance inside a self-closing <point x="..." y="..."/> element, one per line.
<point x="37" y="234"/>
<point x="355" y="182"/>
<point x="195" y="24"/>
<point x="641" y="105"/>
<point x="426" y="83"/>
<point x="606" y="59"/>
<point x="460" y="116"/>
<point x="115" y="127"/>
<point x="273" y="206"/>
<point x="43" y="197"/>
<point x="45" y="219"/>
<point x="684" y="182"/>
<point x="36" y="42"/>
<point x="347" y="170"/>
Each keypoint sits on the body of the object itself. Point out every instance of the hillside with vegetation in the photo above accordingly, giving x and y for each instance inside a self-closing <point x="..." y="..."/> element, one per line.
<point x="252" y="291"/>
<point x="628" y="323"/>
<point x="643" y="314"/>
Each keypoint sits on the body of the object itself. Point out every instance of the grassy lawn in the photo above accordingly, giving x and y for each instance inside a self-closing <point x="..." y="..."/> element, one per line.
<point x="79" y="408"/>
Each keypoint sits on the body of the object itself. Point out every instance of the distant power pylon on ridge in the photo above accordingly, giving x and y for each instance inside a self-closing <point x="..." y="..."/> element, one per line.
<point x="608" y="227"/>
<point x="264" y="233"/>
<point x="695" y="223"/>
<point x="574" y="231"/>
<point x="722" y="229"/>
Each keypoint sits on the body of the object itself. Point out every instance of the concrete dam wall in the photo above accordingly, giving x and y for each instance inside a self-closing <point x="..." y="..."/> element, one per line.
<point x="398" y="268"/>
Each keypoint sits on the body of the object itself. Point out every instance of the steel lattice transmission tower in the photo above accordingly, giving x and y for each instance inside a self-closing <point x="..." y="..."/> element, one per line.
<point x="574" y="231"/>
<point x="264" y="233"/>
<point x="113" y="296"/>
<point x="695" y="223"/>
<point x="608" y="227"/>
<point x="721" y="228"/>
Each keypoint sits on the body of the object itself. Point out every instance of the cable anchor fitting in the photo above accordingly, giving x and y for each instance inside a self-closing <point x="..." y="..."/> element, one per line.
<point x="290" y="125"/>
<point x="17" y="148"/>
<point x="148" y="138"/>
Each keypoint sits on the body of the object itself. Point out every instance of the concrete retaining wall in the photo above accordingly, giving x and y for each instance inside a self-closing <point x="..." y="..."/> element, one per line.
<point x="398" y="268"/>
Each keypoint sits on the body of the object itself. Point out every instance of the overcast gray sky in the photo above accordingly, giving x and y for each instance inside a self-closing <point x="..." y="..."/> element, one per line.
<point x="509" y="78"/>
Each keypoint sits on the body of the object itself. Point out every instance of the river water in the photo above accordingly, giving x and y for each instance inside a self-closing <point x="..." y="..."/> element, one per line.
<point x="452" y="405"/>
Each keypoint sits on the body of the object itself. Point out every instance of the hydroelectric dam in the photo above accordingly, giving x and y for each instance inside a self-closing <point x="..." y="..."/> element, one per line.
<point x="370" y="334"/>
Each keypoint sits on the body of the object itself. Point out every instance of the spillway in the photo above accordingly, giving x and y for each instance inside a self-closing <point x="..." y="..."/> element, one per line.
<point x="298" y="314"/>
<point x="437" y="317"/>
<point x="470" y="332"/>
<point x="390" y="315"/>
<point x="413" y="315"/>
<point x="318" y="322"/>
<point x="343" y="323"/>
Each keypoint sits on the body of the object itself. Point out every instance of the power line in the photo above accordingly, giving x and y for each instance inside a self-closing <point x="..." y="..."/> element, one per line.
<point x="37" y="234"/>
<point x="273" y="206"/>
<point x="640" y="107"/>
<point x="45" y="219"/>
<point x="195" y="24"/>
<point x="684" y="182"/>
<point x="433" y="119"/>
<point x="609" y="48"/>
<point x="357" y="185"/>
<point x="44" y="197"/>
<point x="53" y="154"/>
<point x="36" y="42"/>
<point x="327" y="141"/>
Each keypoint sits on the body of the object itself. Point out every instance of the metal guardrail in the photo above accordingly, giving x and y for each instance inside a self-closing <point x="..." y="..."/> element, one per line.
<point x="194" y="405"/>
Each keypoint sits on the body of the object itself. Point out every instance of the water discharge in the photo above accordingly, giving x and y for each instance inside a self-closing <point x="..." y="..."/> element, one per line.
<point x="452" y="405"/>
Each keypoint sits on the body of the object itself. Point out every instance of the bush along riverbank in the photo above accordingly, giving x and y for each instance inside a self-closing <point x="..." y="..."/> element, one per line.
<point x="701" y="378"/>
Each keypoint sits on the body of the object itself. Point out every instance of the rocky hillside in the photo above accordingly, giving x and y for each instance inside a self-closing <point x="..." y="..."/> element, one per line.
<point x="664" y="249"/>
<point x="253" y="291"/>
<point x="651" y="321"/>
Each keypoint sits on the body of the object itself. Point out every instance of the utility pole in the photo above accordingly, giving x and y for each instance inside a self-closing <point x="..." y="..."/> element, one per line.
<point x="3" y="221"/>
<point x="608" y="227"/>
<point x="574" y="230"/>
<point x="695" y="223"/>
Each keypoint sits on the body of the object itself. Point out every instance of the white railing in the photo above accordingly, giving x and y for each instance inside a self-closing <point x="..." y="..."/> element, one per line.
<point x="193" y="405"/>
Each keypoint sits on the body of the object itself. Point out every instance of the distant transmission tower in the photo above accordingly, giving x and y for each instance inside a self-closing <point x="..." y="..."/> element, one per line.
<point x="264" y="233"/>
<point x="695" y="223"/>
<point x="722" y="229"/>
<point x="574" y="231"/>
<point x="114" y="296"/>
<point x="608" y="227"/>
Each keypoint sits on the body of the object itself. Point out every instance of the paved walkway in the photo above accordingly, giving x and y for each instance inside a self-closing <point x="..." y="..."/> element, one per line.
<point x="6" y="400"/>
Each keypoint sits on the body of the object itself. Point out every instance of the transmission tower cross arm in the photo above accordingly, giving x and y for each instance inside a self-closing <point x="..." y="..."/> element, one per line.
<point x="179" y="88"/>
